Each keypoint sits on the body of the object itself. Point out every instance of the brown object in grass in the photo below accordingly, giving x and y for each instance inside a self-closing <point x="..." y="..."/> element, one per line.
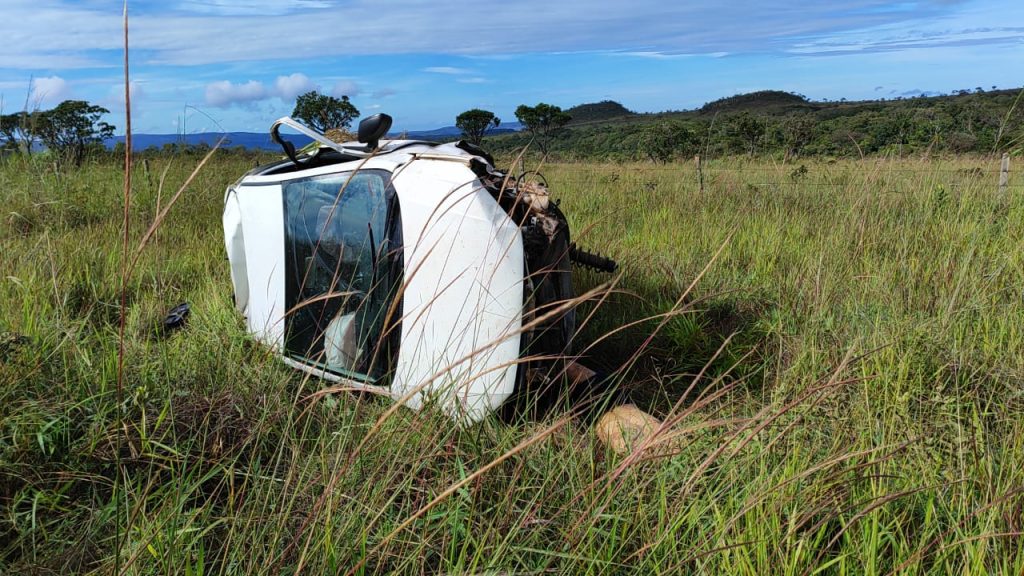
<point x="625" y="427"/>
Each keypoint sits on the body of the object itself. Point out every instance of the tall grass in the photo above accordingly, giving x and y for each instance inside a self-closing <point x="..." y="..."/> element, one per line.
<point x="843" y="390"/>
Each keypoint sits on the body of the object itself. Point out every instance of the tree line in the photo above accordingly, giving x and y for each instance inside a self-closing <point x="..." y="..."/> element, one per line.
<point x="764" y="123"/>
<point x="788" y="125"/>
<point x="329" y="113"/>
<point x="71" y="130"/>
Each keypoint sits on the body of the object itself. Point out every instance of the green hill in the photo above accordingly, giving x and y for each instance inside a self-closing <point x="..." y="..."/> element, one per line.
<point x="597" y="112"/>
<point x="783" y="124"/>
<point x="766" y="101"/>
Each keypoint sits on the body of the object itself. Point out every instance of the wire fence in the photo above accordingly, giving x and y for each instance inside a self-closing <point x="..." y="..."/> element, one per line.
<point x="974" y="173"/>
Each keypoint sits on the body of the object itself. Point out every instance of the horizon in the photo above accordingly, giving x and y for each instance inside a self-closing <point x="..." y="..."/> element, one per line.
<point x="220" y="66"/>
<point x="515" y="125"/>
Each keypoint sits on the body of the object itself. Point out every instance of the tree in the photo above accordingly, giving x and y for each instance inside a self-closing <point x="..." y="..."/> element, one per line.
<point x="664" y="140"/>
<point x="797" y="132"/>
<point x="10" y="126"/>
<point x="16" y="132"/>
<point x="542" y="121"/>
<point x="749" y="129"/>
<point x="474" y="124"/>
<point x="71" y="128"/>
<point x="322" y="112"/>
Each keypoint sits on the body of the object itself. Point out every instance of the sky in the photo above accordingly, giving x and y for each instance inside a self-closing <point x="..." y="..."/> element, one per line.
<point x="237" y="65"/>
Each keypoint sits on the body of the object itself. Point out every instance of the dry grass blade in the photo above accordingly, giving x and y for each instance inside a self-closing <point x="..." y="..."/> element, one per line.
<point x="767" y="494"/>
<point x="920" y="553"/>
<point x="162" y="215"/>
<point x="454" y="487"/>
<point x="878" y="503"/>
<point x="125" y="272"/>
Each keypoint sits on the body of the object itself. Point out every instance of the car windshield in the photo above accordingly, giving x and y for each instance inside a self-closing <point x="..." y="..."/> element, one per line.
<point x="341" y="279"/>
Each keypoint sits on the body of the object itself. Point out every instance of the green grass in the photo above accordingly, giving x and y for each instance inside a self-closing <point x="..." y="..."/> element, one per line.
<point x="856" y="351"/>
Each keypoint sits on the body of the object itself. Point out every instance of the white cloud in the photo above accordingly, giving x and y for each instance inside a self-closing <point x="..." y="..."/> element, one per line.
<point x="49" y="91"/>
<point x="451" y="70"/>
<point x="892" y="38"/>
<point x="473" y="80"/>
<point x="654" y="55"/>
<point x="115" y="97"/>
<point x="288" y="87"/>
<point x="345" y="88"/>
<point x="251" y="7"/>
<point x="224" y="93"/>
<point x="64" y="34"/>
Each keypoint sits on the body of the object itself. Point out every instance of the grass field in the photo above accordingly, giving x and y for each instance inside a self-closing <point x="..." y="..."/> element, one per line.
<point x="847" y="382"/>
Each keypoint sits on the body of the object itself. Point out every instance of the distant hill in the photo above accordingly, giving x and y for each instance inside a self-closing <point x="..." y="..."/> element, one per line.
<point x="251" y="140"/>
<point x="597" y="112"/>
<point x="765" y="101"/>
<point x="787" y="125"/>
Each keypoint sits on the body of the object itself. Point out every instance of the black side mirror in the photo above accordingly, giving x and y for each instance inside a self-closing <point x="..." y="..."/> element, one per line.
<point x="373" y="128"/>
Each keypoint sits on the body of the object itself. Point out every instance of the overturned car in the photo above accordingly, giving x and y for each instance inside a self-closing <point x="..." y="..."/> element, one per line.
<point x="409" y="267"/>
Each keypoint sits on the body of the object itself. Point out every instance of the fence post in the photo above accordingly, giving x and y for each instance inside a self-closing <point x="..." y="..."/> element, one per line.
<point x="1004" y="173"/>
<point x="700" y="172"/>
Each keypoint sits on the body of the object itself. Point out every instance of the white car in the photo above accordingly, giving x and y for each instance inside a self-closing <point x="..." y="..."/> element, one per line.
<point x="410" y="267"/>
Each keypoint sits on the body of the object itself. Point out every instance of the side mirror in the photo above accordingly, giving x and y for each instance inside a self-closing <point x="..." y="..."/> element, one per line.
<point x="373" y="128"/>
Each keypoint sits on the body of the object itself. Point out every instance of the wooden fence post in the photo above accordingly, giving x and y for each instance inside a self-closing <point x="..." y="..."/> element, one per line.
<point x="700" y="172"/>
<point x="1004" y="173"/>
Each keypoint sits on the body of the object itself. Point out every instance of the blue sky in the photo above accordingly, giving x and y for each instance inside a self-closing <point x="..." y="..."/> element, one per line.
<point x="237" y="65"/>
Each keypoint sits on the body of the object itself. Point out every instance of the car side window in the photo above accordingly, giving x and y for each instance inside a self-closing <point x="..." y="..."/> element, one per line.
<point x="337" y="280"/>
